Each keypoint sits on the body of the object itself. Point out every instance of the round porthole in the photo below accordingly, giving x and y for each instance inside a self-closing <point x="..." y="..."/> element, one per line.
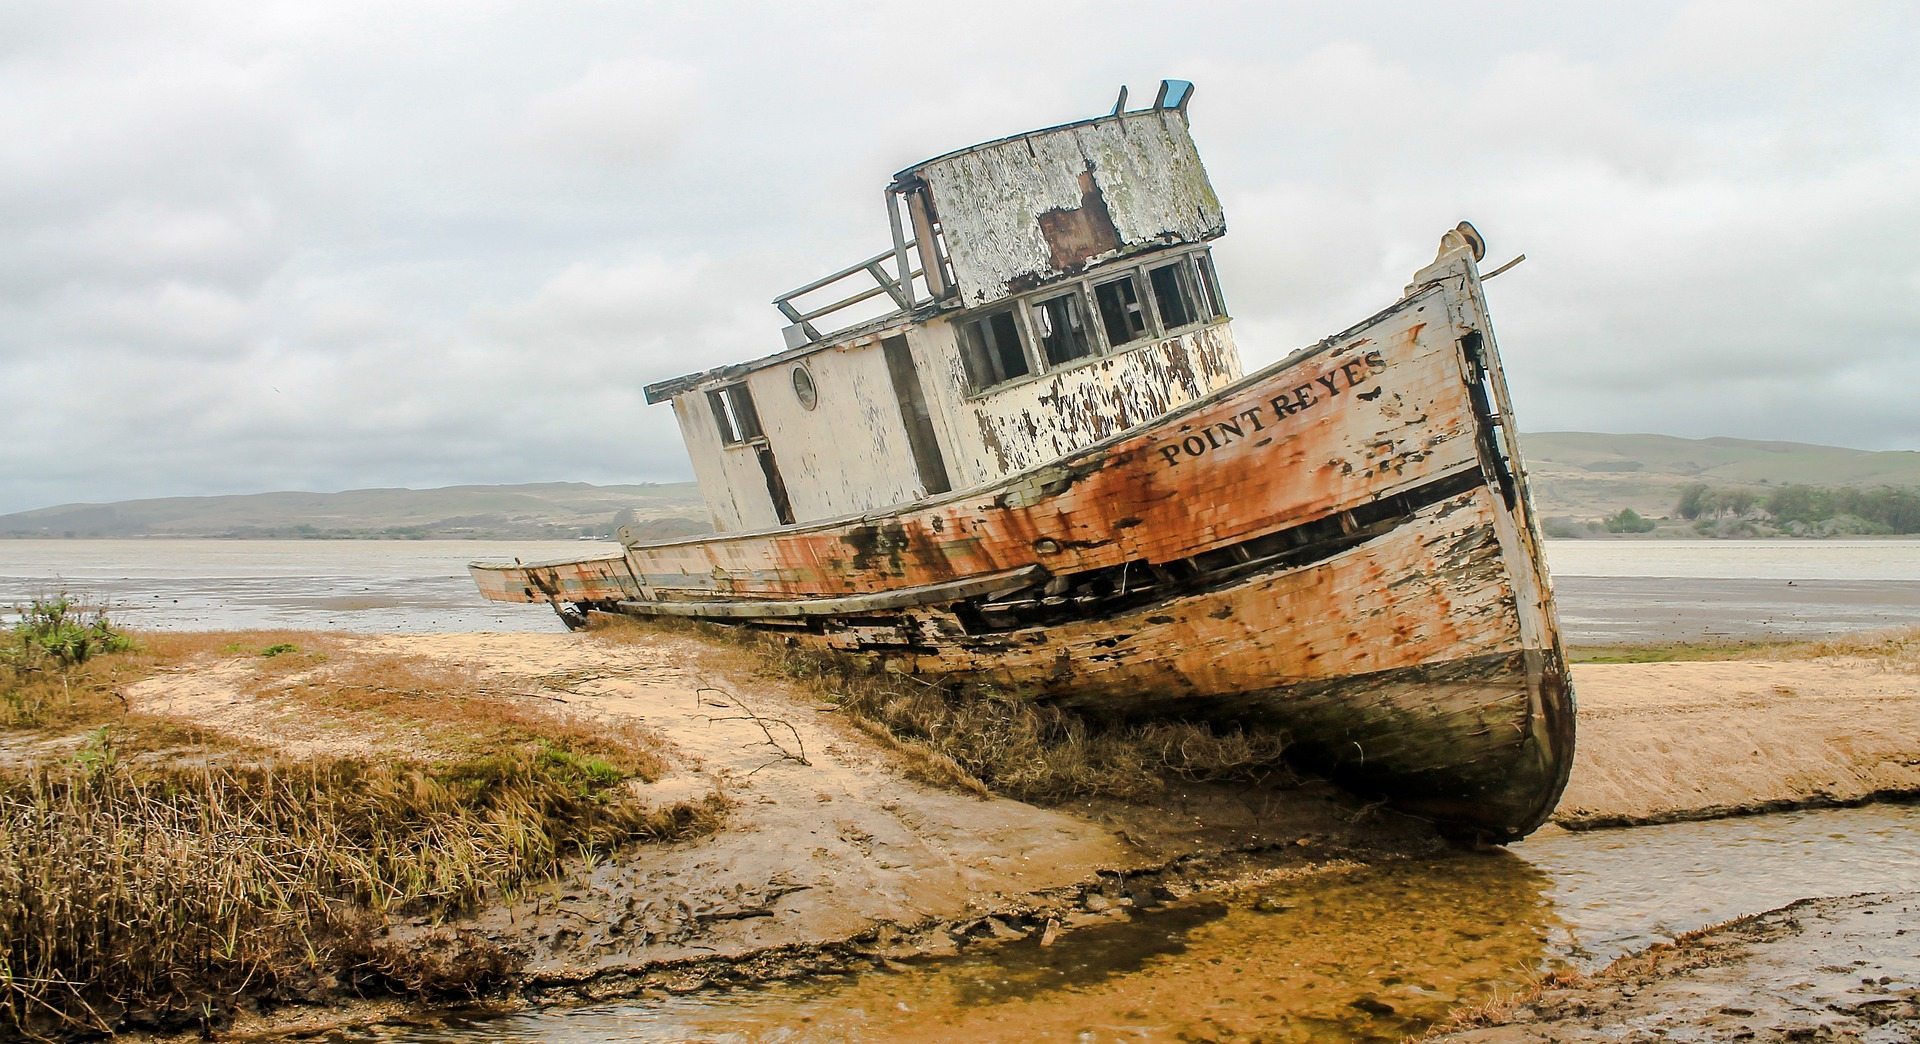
<point x="803" y="388"/>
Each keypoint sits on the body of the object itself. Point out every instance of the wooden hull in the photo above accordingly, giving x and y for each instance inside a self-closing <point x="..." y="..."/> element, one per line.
<point x="1339" y="547"/>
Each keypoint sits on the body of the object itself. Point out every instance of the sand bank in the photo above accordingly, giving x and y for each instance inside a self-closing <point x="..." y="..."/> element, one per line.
<point x="827" y="841"/>
<point x="1660" y="742"/>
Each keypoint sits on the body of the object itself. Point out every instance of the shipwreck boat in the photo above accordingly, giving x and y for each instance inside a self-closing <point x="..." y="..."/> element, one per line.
<point x="1040" y="465"/>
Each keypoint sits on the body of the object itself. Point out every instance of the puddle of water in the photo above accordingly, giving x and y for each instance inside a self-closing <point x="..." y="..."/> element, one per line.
<point x="1369" y="955"/>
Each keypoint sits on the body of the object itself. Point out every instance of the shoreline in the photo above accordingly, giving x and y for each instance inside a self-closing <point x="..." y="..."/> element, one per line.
<point x="912" y="870"/>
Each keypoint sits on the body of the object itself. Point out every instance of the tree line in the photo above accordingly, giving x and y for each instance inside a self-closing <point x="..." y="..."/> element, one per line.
<point x="1884" y="509"/>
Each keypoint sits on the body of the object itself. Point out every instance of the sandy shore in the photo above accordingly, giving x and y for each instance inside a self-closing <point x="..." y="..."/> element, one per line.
<point x="828" y="842"/>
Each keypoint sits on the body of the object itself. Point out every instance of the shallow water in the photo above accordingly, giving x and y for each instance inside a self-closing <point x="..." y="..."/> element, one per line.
<point x="1369" y="955"/>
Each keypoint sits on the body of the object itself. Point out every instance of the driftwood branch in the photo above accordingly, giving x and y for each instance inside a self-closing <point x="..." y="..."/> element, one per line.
<point x="799" y="751"/>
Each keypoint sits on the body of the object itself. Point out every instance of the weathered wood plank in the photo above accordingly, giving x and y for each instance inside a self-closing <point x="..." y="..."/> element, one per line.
<point x="852" y="605"/>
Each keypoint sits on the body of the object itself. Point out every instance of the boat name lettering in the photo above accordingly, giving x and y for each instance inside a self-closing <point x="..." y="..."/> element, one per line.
<point x="1350" y="374"/>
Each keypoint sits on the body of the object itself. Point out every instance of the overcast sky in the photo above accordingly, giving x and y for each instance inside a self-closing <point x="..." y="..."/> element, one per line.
<point x="264" y="246"/>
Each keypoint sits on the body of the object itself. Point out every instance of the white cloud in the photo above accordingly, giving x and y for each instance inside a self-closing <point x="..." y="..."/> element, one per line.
<point x="616" y="114"/>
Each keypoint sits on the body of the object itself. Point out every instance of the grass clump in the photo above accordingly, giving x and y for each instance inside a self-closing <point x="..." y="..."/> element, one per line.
<point x="1047" y="754"/>
<point x="58" y="631"/>
<point x="55" y="664"/>
<point x="155" y="876"/>
<point x="987" y="740"/>
<point x="138" y="896"/>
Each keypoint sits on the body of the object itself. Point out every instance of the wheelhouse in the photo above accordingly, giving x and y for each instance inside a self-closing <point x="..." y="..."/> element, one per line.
<point x="1043" y="292"/>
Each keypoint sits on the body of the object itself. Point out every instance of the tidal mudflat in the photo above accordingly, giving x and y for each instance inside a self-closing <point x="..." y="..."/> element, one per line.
<point x="849" y="892"/>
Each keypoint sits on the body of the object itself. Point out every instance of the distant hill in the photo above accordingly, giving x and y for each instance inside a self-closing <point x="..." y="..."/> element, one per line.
<point x="1576" y="475"/>
<point x="545" y="510"/>
<point x="1583" y="475"/>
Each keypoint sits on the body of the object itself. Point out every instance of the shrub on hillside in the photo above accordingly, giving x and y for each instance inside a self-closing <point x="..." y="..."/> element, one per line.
<point x="1629" y="521"/>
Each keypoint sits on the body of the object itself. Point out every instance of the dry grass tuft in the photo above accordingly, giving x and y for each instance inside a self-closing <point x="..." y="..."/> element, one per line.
<point x="451" y="709"/>
<point x="126" y="890"/>
<point x="982" y="739"/>
<point x="1501" y="1008"/>
<point x="1042" y="753"/>
<point x="1899" y="649"/>
<point x="140" y="891"/>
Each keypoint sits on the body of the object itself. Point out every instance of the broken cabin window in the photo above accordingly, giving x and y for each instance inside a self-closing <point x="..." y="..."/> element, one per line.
<point x="733" y="414"/>
<point x="1121" y="313"/>
<point x="993" y="348"/>
<point x="1211" y="304"/>
<point x="1173" y="293"/>
<point x="1059" y="325"/>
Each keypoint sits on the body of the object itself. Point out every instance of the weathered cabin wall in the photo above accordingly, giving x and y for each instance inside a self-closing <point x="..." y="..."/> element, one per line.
<point x="1023" y="425"/>
<point x="736" y="498"/>
<point x="847" y="455"/>
<point x="1022" y="212"/>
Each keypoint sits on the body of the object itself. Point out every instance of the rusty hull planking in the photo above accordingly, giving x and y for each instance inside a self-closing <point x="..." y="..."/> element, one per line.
<point x="590" y="580"/>
<point x="1402" y="658"/>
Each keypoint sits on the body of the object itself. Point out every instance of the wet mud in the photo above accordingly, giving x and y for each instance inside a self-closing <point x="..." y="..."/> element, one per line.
<point x="1819" y="969"/>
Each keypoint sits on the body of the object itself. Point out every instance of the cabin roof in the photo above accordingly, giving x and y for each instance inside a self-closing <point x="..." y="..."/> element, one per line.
<point x="1174" y="95"/>
<point x="661" y="391"/>
<point x="1175" y="92"/>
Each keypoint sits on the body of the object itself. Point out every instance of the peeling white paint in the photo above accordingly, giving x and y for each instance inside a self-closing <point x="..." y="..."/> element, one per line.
<point x="1018" y="213"/>
<point x="990" y="199"/>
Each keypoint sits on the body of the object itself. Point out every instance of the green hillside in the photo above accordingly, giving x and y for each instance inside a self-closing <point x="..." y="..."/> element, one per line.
<point x="541" y="510"/>
<point x="1588" y="475"/>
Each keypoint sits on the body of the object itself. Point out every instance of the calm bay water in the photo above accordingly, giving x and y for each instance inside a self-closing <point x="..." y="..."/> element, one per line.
<point x="1640" y="590"/>
<point x="407" y="586"/>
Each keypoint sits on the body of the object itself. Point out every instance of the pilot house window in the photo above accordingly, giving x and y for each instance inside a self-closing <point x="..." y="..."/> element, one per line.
<point x="1211" y="304"/>
<point x="1061" y="329"/>
<point x="993" y="348"/>
<point x="1173" y="293"/>
<point x="1121" y="313"/>
<point x="733" y="414"/>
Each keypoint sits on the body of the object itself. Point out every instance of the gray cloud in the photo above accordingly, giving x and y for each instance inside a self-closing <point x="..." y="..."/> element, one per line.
<point x="359" y="244"/>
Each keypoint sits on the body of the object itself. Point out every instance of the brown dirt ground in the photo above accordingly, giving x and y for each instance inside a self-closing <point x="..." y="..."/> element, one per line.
<point x="843" y="846"/>
<point x="813" y="852"/>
